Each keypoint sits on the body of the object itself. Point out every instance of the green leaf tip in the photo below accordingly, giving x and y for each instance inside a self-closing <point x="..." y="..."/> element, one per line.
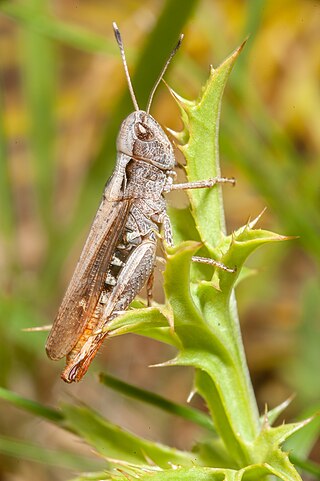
<point x="281" y="433"/>
<point x="273" y="414"/>
<point x="248" y="234"/>
<point x="189" y="107"/>
<point x="184" y="105"/>
<point x="263" y="235"/>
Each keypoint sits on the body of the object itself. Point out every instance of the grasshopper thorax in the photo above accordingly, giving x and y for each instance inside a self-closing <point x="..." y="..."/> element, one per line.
<point x="141" y="138"/>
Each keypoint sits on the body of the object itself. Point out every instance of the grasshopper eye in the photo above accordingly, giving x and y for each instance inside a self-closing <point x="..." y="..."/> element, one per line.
<point x="143" y="132"/>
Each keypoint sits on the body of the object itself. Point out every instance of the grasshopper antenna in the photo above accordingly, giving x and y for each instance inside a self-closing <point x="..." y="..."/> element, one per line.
<point x="125" y="65"/>
<point x="174" y="51"/>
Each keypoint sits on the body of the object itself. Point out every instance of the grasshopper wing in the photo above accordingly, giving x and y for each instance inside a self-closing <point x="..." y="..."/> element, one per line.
<point x="88" y="278"/>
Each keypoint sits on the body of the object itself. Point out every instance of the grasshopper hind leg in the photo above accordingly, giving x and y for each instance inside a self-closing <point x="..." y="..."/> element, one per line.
<point x="134" y="275"/>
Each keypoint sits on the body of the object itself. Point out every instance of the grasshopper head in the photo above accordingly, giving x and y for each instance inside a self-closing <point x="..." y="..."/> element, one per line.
<point x="142" y="138"/>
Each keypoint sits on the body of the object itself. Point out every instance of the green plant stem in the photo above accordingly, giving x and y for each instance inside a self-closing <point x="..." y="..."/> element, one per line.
<point x="229" y="395"/>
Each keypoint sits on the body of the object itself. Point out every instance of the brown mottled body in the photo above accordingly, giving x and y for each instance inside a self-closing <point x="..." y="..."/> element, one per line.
<point x="118" y="257"/>
<point x="119" y="254"/>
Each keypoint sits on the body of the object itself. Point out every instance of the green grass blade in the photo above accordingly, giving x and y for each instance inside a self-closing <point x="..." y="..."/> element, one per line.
<point x="32" y="407"/>
<point x="55" y="29"/>
<point x="158" y="401"/>
<point x="36" y="453"/>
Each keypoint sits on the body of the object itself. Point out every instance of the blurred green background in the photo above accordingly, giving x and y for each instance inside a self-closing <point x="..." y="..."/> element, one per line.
<point x="62" y="98"/>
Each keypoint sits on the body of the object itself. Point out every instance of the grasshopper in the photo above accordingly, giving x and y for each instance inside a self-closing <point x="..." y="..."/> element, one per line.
<point x="119" y="254"/>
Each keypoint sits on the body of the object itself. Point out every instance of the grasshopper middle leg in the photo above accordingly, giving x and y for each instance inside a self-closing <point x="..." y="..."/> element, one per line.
<point x="200" y="184"/>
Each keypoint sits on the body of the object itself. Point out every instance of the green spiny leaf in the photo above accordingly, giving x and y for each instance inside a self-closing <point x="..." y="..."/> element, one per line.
<point x="201" y="120"/>
<point x="113" y="442"/>
<point x="152" y="322"/>
<point x="276" y="436"/>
